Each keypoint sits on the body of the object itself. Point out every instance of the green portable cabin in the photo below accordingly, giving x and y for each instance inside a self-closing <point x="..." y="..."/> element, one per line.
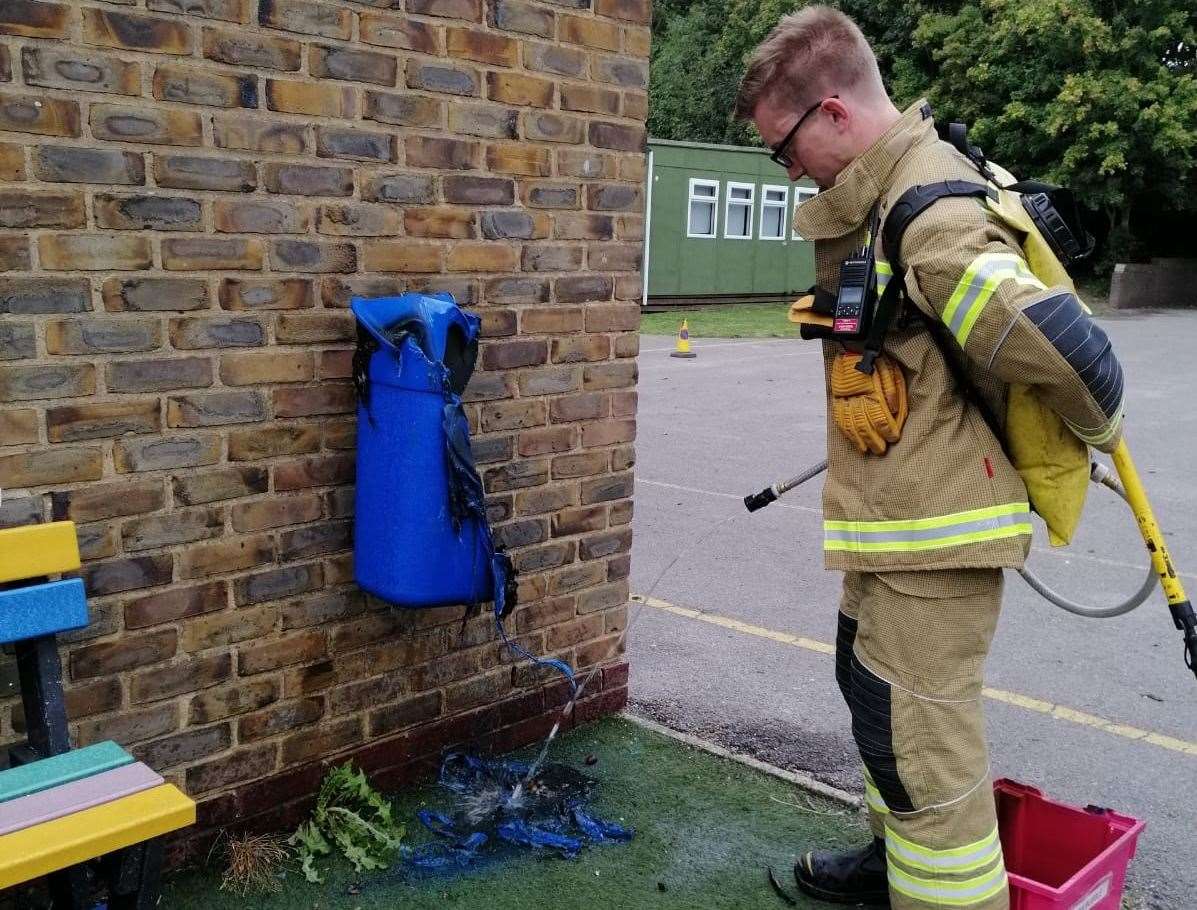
<point x="719" y="225"/>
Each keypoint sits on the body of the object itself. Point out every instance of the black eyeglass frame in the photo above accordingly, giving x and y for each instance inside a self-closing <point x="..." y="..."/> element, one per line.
<point x="779" y="155"/>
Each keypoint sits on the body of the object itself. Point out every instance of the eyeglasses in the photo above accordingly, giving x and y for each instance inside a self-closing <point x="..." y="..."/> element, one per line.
<point x="780" y="155"/>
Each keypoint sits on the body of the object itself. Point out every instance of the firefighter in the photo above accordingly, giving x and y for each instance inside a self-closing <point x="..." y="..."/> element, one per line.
<point x="922" y="507"/>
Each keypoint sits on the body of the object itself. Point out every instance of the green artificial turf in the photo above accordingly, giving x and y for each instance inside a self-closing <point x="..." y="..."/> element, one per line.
<point x="730" y="320"/>
<point x="705" y="828"/>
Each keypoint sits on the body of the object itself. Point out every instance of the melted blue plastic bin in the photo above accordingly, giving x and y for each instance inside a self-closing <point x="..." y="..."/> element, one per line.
<point x="415" y="355"/>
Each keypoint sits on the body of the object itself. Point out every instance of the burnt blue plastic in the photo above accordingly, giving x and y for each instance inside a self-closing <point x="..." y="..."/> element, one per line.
<point x="406" y="548"/>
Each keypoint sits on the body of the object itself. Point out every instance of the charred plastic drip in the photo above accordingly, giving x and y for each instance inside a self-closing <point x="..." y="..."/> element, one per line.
<point x="493" y="806"/>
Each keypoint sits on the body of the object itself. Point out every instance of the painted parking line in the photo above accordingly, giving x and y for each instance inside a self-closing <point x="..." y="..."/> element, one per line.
<point x="1039" y="706"/>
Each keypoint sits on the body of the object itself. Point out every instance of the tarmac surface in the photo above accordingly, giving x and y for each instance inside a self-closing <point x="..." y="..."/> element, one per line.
<point x="733" y="644"/>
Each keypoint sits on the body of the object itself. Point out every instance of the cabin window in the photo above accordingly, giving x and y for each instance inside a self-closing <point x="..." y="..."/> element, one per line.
<point x="704" y="203"/>
<point x="737" y="221"/>
<point x="774" y="202"/>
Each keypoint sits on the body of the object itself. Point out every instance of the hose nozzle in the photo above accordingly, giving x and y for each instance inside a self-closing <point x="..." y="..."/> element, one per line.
<point x="1186" y="621"/>
<point x="755" y="501"/>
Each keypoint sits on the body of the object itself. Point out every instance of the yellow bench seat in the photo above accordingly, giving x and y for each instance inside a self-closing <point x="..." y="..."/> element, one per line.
<point x="50" y="846"/>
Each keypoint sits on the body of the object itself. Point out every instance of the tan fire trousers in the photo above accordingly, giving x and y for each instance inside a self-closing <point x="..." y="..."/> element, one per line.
<point x="909" y="655"/>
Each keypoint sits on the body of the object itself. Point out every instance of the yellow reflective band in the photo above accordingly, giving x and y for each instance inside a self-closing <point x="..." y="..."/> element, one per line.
<point x="976" y="287"/>
<point x="873" y="797"/>
<point x="1103" y="435"/>
<point x="956" y="859"/>
<point x="912" y="535"/>
<point x="884" y="273"/>
<point x="964" y="893"/>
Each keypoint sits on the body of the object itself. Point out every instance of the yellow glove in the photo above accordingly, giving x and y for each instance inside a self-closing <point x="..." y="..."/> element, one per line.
<point x="869" y="409"/>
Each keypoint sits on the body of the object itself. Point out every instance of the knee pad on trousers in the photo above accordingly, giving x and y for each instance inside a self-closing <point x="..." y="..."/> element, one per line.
<point x="845" y="638"/>
<point x="871" y="704"/>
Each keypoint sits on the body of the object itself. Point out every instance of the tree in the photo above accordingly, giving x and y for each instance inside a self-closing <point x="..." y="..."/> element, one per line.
<point x="1098" y="95"/>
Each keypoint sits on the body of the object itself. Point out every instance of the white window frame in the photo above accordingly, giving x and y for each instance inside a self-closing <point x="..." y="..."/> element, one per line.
<point x="714" y="202"/>
<point x="801" y="194"/>
<point x="784" y="205"/>
<point x="728" y="202"/>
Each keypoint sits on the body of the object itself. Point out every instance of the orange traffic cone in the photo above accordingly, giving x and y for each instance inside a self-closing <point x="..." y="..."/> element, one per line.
<point x="682" y="348"/>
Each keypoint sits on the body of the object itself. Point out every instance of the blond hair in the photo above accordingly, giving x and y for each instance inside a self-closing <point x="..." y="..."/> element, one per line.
<point x="811" y="54"/>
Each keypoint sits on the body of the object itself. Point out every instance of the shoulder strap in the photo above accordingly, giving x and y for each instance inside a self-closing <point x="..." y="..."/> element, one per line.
<point x="913" y="203"/>
<point x="909" y="206"/>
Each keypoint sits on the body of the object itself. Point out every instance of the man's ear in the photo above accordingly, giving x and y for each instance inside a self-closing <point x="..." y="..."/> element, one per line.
<point x="841" y="114"/>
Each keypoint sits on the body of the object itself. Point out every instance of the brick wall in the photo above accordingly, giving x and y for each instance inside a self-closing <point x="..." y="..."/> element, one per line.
<point x="190" y="191"/>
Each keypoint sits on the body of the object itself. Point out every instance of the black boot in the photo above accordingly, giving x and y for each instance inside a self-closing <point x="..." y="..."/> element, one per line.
<point x="852" y="877"/>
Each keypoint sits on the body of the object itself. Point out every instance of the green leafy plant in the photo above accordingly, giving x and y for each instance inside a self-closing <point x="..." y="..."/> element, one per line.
<point x="354" y="817"/>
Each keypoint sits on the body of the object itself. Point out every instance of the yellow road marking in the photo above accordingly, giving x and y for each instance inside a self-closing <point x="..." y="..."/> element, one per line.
<point x="1059" y="712"/>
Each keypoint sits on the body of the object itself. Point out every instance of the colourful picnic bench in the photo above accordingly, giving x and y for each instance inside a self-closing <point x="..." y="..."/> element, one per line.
<point x="60" y="808"/>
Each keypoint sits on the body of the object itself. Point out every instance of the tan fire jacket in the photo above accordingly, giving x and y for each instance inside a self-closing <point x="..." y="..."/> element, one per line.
<point x="945" y="495"/>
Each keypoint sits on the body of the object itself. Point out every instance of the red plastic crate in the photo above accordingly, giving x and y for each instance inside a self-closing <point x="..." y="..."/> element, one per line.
<point x="1059" y="857"/>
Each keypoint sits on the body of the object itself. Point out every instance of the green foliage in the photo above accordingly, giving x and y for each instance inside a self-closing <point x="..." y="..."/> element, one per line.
<point x="1098" y="95"/>
<point x="354" y="817"/>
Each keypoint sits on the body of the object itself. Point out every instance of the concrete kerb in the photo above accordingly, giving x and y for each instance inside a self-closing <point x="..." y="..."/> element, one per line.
<point x="805" y="781"/>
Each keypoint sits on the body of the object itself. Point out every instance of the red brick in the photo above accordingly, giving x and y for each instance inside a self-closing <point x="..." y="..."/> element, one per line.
<point x="402" y="256"/>
<point x="30" y="383"/>
<point x="225" y="483"/>
<point x="136" y="213"/>
<point x="251" y="49"/>
<point x="221" y="703"/>
<point x="102" y="501"/>
<point x="190" y="255"/>
<point x="514" y="88"/>
<point x="223" y="628"/>
<point x="279" y="718"/>
<point x="128" y="727"/>
<point x="12" y="162"/>
<point x="401" y="32"/>
<point x="525" y="160"/>
<point x="184" y="747"/>
<point x="23" y="209"/>
<point x="191" y="85"/>
<point x="14" y="254"/>
<point x="225" y="556"/>
<point x="18" y="426"/>
<point x="312" y="98"/>
<point x="122" y="123"/>
<point x="481" y="257"/>
<point x="176" y="604"/>
<point x="180" y="678"/>
<point x="609" y="375"/>
<point x="326" y="741"/>
<point x="266" y="294"/>
<point x="309" y="18"/>
<point x="453" y="9"/>
<point x="34" y="19"/>
<point x="139" y="33"/>
<point x="232" y="768"/>
<point x="252" y="134"/>
<point x="124" y="654"/>
<point x="318" y="471"/>
<point x="352" y="65"/>
<point x="102" y="419"/>
<point x="228" y="10"/>
<point x="94" y="252"/>
<point x="507" y="355"/>
<point x="274" y="584"/>
<point x="275" y="513"/>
